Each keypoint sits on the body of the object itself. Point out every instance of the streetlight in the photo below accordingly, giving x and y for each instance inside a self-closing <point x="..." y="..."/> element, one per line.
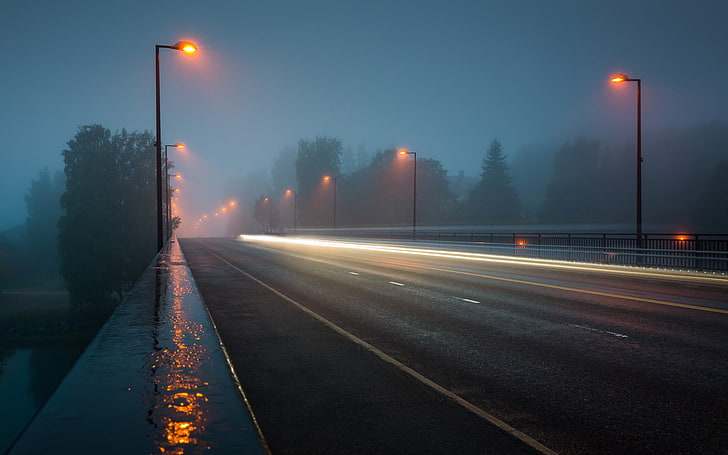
<point x="617" y="78"/>
<point x="405" y="152"/>
<point x="293" y="193"/>
<point x="168" y="197"/>
<point x="189" y="48"/>
<point x="328" y="178"/>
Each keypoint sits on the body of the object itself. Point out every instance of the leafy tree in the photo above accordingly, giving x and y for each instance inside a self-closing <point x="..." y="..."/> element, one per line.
<point x="245" y="192"/>
<point x="434" y="200"/>
<point x="43" y="202"/>
<point x="283" y="171"/>
<point x="711" y="208"/>
<point x="493" y="199"/>
<point x="315" y="159"/>
<point x="266" y="213"/>
<point x="575" y="190"/>
<point x="381" y="193"/>
<point x="678" y="165"/>
<point x="107" y="234"/>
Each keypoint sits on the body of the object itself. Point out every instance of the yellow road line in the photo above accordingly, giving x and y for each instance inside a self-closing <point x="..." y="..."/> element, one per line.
<point x="573" y="289"/>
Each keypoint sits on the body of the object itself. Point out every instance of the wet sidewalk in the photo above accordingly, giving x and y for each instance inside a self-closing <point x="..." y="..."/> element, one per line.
<point x="154" y="380"/>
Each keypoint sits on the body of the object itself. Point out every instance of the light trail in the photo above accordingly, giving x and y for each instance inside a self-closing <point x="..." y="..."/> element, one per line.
<point x="542" y="263"/>
<point x="528" y="440"/>
<point x="482" y="257"/>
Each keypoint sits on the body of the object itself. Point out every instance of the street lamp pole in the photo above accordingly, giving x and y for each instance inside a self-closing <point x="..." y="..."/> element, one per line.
<point x="404" y="152"/>
<point x="168" y="194"/>
<point x="623" y="78"/>
<point x="329" y="178"/>
<point x="293" y="193"/>
<point x="184" y="46"/>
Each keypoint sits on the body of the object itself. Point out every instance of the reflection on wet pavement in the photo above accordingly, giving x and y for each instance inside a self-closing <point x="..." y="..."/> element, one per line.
<point x="179" y="405"/>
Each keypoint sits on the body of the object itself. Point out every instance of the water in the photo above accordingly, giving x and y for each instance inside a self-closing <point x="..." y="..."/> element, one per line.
<point x="28" y="377"/>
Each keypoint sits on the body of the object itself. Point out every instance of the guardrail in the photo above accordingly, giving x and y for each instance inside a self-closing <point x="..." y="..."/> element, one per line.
<point x="703" y="252"/>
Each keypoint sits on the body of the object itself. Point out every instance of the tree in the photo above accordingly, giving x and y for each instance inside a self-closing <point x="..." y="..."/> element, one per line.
<point x="493" y="199"/>
<point x="711" y="208"/>
<point x="381" y="193"/>
<point x="43" y="202"/>
<point x="266" y="213"/>
<point x="314" y="160"/>
<point x="107" y="234"/>
<point x="574" y="192"/>
<point x="283" y="171"/>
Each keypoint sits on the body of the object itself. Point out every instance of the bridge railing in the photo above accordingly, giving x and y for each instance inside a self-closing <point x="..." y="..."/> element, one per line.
<point x="703" y="252"/>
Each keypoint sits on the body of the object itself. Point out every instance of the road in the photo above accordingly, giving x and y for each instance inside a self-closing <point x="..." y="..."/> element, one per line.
<point x="373" y="349"/>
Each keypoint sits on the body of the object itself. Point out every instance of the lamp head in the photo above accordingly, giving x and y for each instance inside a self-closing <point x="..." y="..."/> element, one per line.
<point x="186" y="46"/>
<point x="619" y="78"/>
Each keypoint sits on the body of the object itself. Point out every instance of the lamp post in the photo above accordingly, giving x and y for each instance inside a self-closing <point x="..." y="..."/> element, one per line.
<point x="187" y="47"/>
<point x="293" y="193"/>
<point x="617" y="78"/>
<point x="168" y="195"/>
<point x="328" y="178"/>
<point x="405" y="152"/>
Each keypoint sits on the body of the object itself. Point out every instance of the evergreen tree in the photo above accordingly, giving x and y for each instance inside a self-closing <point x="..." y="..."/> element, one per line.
<point x="494" y="199"/>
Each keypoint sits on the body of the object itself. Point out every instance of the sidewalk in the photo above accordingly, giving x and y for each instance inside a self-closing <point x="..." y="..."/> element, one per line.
<point x="154" y="380"/>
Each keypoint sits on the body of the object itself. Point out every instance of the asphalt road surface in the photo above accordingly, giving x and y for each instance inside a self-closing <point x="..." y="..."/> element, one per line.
<point x="368" y="348"/>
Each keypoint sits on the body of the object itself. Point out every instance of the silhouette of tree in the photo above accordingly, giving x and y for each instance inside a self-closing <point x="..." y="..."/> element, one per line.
<point x="493" y="199"/>
<point x="266" y="213"/>
<point x="43" y="202"/>
<point x="575" y="188"/>
<point x="107" y="234"/>
<point x="381" y="193"/>
<point x="315" y="159"/>
<point x="711" y="208"/>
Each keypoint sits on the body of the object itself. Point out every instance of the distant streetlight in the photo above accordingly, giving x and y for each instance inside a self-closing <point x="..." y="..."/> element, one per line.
<point x="328" y="178"/>
<point x="187" y="47"/>
<point x="405" y="152"/>
<point x="617" y="78"/>
<point x="168" y="196"/>
<point x="293" y="193"/>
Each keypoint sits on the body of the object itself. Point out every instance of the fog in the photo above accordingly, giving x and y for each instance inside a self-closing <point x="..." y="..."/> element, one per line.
<point x="442" y="78"/>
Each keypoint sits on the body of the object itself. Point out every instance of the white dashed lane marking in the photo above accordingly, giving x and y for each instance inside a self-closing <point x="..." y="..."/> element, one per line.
<point x="592" y="329"/>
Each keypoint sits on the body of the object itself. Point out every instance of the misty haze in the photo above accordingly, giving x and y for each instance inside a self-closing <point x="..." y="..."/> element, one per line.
<point x="501" y="227"/>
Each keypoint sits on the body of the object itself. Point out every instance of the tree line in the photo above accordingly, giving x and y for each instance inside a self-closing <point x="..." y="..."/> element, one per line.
<point x="94" y="224"/>
<point x="581" y="181"/>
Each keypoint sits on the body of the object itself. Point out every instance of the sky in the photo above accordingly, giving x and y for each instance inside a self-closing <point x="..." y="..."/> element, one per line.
<point x="443" y="78"/>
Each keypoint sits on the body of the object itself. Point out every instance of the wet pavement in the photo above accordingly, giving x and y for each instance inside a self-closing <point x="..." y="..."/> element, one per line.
<point x="154" y="380"/>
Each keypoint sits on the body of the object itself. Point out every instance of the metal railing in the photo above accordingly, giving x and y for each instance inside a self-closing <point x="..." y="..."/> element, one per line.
<point x="703" y="252"/>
